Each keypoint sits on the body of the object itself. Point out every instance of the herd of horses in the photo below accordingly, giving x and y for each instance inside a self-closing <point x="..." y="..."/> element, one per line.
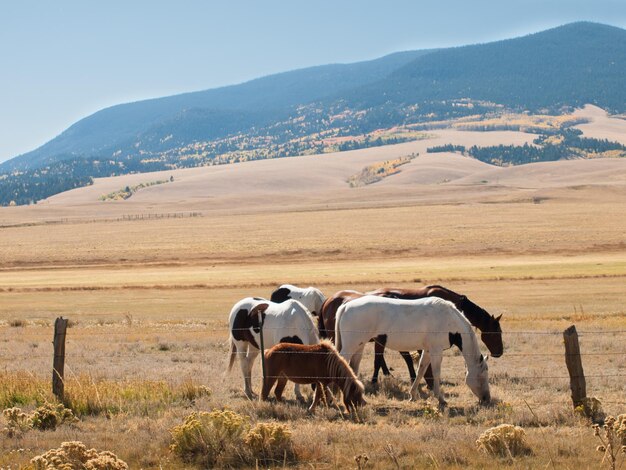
<point x="311" y="339"/>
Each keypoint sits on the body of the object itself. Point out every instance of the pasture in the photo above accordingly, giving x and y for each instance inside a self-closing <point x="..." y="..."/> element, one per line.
<point x="149" y="299"/>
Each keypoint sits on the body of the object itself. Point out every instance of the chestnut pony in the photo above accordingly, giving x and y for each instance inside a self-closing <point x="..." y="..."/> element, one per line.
<point x="308" y="364"/>
<point x="491" y="333"/>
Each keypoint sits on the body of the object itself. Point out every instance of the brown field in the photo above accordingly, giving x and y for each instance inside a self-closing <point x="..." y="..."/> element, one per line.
<point x="543" y="244"/>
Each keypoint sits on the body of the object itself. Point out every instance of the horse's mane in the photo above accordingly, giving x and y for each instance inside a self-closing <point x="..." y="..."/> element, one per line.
<point x="338" y="367"/>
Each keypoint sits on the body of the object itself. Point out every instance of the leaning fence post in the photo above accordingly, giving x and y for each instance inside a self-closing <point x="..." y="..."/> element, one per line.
<point x="574" y="366"/>
<point x="58" y="365"/>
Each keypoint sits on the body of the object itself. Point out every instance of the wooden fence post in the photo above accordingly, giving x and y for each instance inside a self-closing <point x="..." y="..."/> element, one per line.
<point x="574" y="366"/>
<point x="262" y="345"/>
<point x="58" y="366"/>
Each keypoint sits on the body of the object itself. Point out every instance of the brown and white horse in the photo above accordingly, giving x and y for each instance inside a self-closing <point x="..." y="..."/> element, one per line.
<point x="318" y="364"/>
<point x="287" y="322"/>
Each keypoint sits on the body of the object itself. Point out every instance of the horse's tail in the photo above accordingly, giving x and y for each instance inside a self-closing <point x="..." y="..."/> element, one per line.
<point x="340" y="311"/>
<point x="321" y="323"/>
<point x="233" y="353"/>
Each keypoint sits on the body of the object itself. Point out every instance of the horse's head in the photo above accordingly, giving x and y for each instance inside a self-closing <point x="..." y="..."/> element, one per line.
<point x="491" y="335"/>
<point x="280" y="295"/>
<point x="353" y="395"/>
<point x="477" y="379"/>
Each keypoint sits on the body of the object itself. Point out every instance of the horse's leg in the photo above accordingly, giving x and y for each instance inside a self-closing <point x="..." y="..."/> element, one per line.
<point x="428" y="377"/>
<point x="243" y="362"/>
<point x="296" y="390"/>
<point x="409" y="364"/>
<point x="316" y="397"/>
<point x="421" y="368"/>
<point x="379" y="360"/>
<point x="435" y="362"/>
<point x="268" y="383"/>
<point x="246" y="367"/>
<point x="280" y="387"/>
<point x="355" y="362"/>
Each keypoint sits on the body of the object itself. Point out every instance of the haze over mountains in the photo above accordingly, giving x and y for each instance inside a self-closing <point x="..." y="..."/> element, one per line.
<point x="294" y="112"/>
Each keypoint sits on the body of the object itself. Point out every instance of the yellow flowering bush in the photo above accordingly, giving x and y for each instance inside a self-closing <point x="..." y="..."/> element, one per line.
<point x="591" y="408"/>
<point x="18" y="422"/>
<point x="505" y="440"/>
<point x="270" y="441"/>
<point x="74" y="455"/>
<point x="209" y="437"/>
<point x="49" y="416"/>
<point x="224" y="438"/>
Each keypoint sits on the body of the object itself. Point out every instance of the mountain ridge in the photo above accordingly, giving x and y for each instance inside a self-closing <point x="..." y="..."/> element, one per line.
<point x="333" y="107"/>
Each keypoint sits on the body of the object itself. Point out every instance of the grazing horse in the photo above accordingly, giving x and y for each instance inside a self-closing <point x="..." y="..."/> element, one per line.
<point x="288" y="322"/>
<point x="429" y="324"/>
<point x="327" y="330"/>
<point x="310" y="297"/>
<point x="491" y="333"/>
<point x="308" y="364"/>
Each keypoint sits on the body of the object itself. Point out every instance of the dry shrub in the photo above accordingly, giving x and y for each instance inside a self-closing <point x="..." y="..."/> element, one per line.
<point x="49" y="416"/>
<point x="45" y="417"/>
<point x="591" y="408"/>
<point x="613" y="440"/>
<point x="224" y="438"/>
<point x="18" y="422"/>
<point x="505" y="440"/>
<point x="209" y="438"/>
<point x="620" y="428"/>
<point x="74" y="455"/>
<point x="271" y="441"/>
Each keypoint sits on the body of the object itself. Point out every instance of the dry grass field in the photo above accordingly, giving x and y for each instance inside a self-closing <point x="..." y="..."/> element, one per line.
<point x="148" y="299"/>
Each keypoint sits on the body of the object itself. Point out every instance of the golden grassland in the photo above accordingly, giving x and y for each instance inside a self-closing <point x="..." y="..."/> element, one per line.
<point x="148" y="302"/>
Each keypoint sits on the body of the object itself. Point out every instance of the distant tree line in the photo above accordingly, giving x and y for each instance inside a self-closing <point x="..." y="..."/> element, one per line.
<point x="446" y="148"/>
<point x="567" y="143"/>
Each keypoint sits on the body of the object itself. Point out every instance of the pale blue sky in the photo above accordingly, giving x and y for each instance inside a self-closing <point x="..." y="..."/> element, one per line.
<point x="63" y="60"/>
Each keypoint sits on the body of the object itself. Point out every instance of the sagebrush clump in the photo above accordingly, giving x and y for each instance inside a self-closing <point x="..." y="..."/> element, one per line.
<point x="612" y="436"/>
<point x="74" y="455"/>
<point x="209" y="438"/>
<point x="270" y="441"/>
<point x="591" y="408"/>
<point x="49" y="416"/>
<point x="45" y="417"/>
<point x="224" y="438"/>
<point x="505" y="440"/>
<point x="18" y="422"/>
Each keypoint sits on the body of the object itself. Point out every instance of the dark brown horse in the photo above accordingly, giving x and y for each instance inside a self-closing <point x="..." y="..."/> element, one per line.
<point x="318" y="364"/>
<point x="491" y="333"/>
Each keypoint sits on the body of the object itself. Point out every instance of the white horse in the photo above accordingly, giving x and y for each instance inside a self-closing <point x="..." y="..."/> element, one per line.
<point x="288" y="322"/>
<point x="431" y="324"/>
<point x="311" y="297"/>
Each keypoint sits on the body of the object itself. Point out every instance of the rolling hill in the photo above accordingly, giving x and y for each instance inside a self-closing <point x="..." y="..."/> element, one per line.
<point x="311" y="110"/>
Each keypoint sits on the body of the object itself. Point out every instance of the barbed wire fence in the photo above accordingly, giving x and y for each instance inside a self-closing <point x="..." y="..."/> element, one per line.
<point x="572" y="357"/>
